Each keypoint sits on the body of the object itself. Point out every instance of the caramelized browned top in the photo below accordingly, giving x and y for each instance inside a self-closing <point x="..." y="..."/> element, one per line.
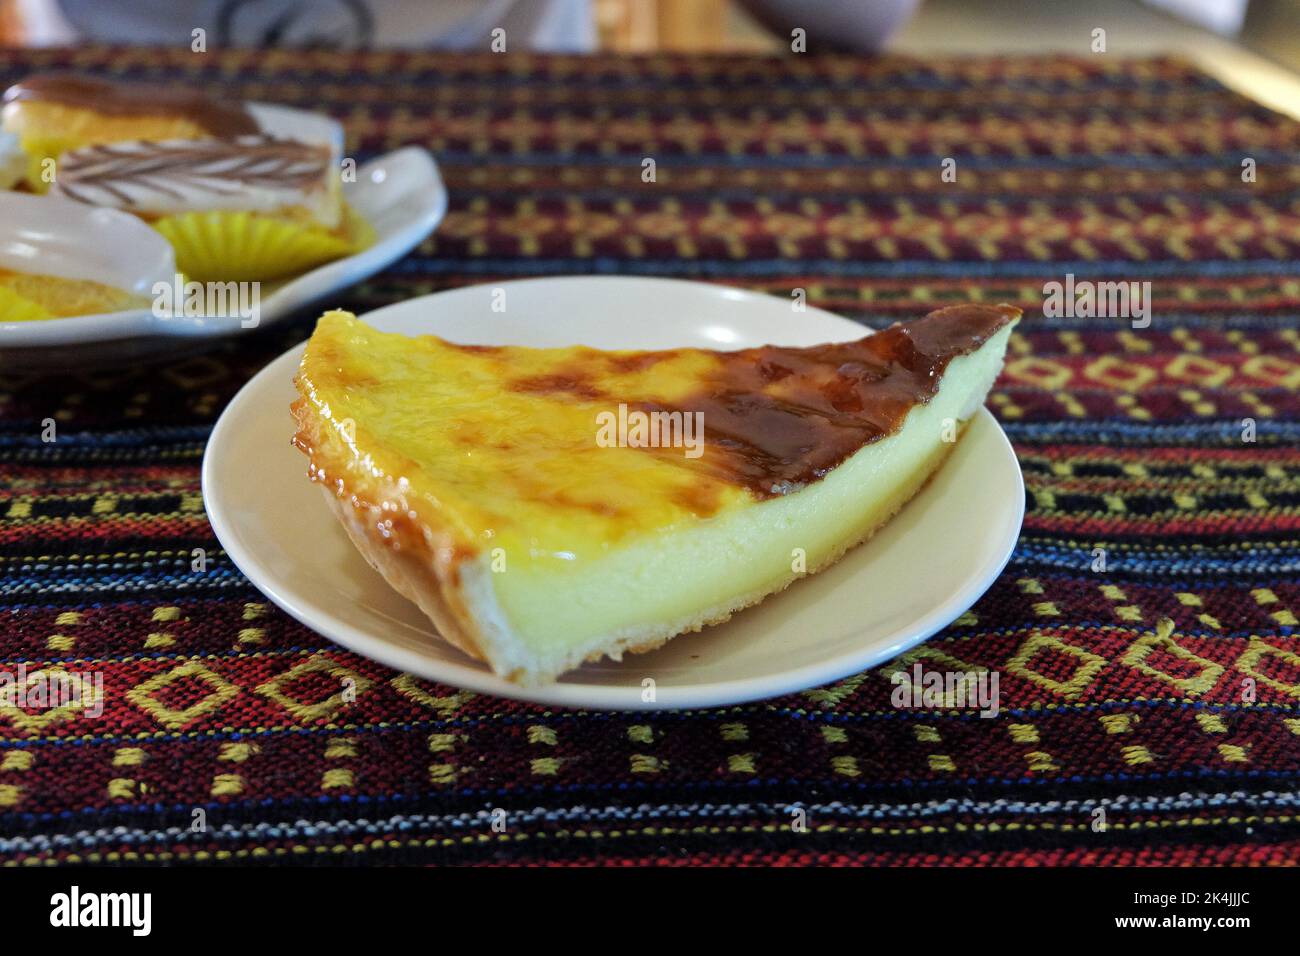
<point x="776" y="418"/>
<point x="115" y="98"/>
<point x="502" y="446"/>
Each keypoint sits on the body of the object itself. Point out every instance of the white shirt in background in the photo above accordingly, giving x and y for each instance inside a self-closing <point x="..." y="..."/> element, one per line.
<point x="544" y="25"/>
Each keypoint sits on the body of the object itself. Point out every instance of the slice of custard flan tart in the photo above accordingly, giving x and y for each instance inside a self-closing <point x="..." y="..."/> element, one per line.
<point x="546" y="507"/>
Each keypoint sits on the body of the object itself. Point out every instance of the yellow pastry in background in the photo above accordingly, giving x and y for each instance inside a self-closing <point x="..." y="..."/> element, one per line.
<point x="243" y="191"/>
<point x="26" y="297"/>
<point x="61" y="259"/>
<point x="13" y="161"/>
<point x="55" y="113"/>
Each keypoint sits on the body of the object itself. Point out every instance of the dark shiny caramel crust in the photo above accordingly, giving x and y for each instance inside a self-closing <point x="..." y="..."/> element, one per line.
<point x="777" y="418"/>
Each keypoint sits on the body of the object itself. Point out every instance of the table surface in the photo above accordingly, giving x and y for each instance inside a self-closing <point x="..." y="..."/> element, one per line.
<point x="1148" y="709"/>
<point x="1133" y="28"/>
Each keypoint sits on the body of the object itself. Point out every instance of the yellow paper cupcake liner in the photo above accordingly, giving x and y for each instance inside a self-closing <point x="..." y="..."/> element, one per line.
<point x="17" y="308"/>
<point x="224" y="246"/>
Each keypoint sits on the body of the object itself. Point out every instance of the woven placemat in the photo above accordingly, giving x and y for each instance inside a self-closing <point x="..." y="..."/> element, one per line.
<point x="1148" y="710"/>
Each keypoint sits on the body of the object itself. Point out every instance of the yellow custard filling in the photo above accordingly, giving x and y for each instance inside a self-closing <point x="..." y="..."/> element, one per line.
<point x="479" y="481"/>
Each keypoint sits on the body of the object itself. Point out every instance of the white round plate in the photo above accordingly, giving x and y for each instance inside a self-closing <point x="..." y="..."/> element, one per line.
<point x="916" y="575"/>
<point x="400" y="194"/>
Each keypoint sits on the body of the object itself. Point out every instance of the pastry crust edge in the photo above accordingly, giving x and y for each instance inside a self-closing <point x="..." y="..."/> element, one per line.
<point x="411" y="564"/>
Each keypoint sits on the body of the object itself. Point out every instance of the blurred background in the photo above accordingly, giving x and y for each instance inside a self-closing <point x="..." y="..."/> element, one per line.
<point x="1253" y="45"/>
<point x="1268" y="27"/>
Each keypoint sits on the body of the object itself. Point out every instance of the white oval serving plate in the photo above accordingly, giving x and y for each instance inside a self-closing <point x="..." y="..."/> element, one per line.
<point x="401" y="194"/>
<point x="916" y="575"/>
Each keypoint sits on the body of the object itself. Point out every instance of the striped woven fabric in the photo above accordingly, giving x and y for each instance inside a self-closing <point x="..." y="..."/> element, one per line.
<point x="1143" y="633"/>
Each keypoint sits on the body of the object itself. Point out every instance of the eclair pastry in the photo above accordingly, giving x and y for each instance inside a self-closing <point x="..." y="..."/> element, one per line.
<point x="242" y="191"/>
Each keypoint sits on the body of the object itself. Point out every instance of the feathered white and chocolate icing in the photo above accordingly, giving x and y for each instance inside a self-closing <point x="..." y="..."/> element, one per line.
<point x="255" y="173"/>
<point x="226" y="155"/>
